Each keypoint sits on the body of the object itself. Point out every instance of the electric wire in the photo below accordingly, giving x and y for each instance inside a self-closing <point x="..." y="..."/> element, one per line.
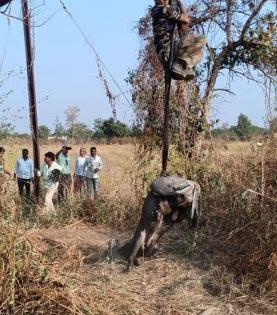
<point x="95" y="52"/>
<point x="5" y="50"/>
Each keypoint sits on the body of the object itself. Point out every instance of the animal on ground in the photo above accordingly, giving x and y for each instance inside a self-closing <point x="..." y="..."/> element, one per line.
<point x="171" y="199"/>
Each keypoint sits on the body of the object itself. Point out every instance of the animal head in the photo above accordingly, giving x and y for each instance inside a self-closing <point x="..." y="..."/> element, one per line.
<point x="191" y="194"/>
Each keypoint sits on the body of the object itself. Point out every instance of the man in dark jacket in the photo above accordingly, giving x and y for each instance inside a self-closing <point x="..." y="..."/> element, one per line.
<point x="187" y="50"/>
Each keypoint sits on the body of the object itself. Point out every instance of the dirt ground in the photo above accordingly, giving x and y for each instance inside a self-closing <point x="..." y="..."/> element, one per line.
<point x="168" y="284"/>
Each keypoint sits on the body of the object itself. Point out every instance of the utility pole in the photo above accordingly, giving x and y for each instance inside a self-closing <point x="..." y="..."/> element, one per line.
<point x="32" y="93"/>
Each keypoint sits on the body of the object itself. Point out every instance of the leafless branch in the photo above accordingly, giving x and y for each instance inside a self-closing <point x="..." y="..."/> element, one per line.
<point x="224" y="90"/>
<point x="249" y="21"/>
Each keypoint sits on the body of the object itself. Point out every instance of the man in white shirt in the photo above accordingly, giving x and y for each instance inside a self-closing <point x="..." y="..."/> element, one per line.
<point x="24" y="173"/>
<point x="94" y="165"/>
<point x="80" y="172"/>
<point x="51" y="174"/>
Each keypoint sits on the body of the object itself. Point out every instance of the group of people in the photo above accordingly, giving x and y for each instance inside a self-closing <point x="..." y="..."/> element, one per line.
<point x="56" y="175"/>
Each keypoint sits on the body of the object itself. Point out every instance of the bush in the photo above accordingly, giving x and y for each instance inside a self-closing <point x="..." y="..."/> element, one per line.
<point x="30" y="282"/>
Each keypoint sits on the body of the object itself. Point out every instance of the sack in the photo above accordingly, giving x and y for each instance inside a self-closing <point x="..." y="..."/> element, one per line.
<point x="169" y="186"/>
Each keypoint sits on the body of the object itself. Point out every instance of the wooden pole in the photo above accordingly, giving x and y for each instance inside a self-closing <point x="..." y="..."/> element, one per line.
<point x="166" y="133"/>
<point x="176" y="5"/>
<point x="32" y="93"/>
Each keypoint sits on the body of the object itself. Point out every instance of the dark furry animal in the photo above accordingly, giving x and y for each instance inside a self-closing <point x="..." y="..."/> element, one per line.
<point x="170" y="200"/>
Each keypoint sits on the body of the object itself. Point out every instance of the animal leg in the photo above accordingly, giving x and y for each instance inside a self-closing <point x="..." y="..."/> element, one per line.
<point x="138" y="242"/>
<point x="160" y="229"/>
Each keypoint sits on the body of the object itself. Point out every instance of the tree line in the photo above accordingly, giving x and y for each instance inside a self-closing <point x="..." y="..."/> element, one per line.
<point x="75" y="129"/>
<point x="244" y="130"/>
<point x="113" y="128"/>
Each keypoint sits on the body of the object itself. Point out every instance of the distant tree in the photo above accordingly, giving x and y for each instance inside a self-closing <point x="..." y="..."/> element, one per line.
<point x="59" y="129"/>
<point x="43" y="132"/>
<point x="110" y="128"/>
<point x="80" y="131"/>
<point x="71" y="116"/>
<point x="22" y="135"/>
<point x="136" y="130"/>
<point x="6" y="130"/>
<point x="258" y="131"/>
<point x="244" y="127"/>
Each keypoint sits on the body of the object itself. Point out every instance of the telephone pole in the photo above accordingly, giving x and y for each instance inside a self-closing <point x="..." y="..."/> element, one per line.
<point x="32" y="93"/>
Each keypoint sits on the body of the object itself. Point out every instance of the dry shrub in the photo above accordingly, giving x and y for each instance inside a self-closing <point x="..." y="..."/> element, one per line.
<point x="240" y="205"/>
<point x="30" y="283"/>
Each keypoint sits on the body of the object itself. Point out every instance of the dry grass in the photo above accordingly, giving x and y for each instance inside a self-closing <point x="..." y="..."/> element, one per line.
<point x="229" y="265"/>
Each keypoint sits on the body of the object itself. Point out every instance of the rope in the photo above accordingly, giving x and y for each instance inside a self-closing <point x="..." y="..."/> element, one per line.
<point x="95" y="52"/>
<point x="5" y="49"/>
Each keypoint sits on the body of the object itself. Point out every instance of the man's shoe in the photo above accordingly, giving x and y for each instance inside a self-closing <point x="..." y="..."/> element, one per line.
<point x="178" y="72"/>
<point x="189" y="75"/>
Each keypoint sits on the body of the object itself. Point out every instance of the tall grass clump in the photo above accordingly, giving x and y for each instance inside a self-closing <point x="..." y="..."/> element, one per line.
<point x="33" y="282"/>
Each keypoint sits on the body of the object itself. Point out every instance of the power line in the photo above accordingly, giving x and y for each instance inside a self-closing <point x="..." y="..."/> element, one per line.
<point x="5" y="49"/>
<point x="95" y="52"/>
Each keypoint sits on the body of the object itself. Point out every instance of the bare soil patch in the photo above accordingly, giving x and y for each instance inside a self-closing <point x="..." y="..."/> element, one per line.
<point x="170" y="283"/>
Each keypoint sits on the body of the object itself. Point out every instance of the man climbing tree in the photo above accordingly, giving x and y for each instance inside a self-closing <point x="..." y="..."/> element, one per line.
<point x="186" y="50"/>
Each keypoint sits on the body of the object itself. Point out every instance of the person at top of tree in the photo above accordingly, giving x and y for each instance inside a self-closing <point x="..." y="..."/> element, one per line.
<point x="187" y="51"/>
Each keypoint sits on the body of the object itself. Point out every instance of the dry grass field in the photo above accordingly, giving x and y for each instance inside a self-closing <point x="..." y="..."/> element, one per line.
<point x="59" y="265"/>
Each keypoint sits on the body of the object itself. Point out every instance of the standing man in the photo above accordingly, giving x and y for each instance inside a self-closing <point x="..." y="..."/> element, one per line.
<point x="80" y="172"/>
<point x="24" y="173"/>
<point x="65" y="182"/>
<point x="93" y="165"/>
<point x="51" y="174"/>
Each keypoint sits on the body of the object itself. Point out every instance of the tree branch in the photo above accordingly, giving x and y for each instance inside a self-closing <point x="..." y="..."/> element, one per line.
<point x="224" y="90"/>
<point x="229" y="21"/>
<point x="251" y="18"/>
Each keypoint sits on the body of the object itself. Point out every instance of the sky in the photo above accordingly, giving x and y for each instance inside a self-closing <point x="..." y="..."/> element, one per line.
<point x="66" y="70"/>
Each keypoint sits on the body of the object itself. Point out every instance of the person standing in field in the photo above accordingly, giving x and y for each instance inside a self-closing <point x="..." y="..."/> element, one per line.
<point x="24" y="173"/>
<point x="51" y="174"/>
<point x="94" y="165"/>
<point x="3" y="171"/>
<point x="80" y="172"/>
<point x="65" y="182"/>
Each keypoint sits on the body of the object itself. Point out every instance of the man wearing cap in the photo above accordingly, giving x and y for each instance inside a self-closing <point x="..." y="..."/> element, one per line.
<point x="65" y="181"/>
